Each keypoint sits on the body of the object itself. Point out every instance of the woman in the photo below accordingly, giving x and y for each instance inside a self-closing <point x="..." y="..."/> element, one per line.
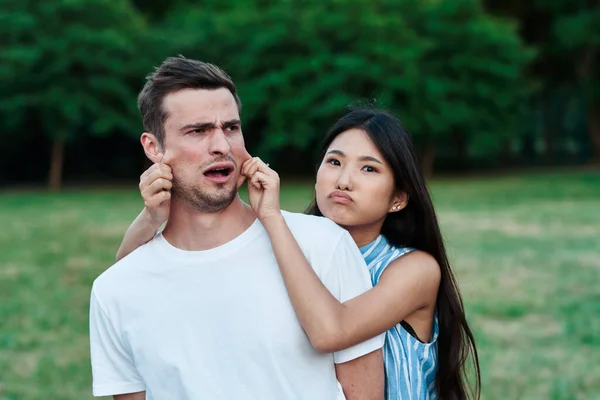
<point x="369" y="183"/>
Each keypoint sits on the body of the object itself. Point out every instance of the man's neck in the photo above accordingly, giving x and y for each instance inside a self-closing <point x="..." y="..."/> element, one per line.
<point x="192" y="230"/>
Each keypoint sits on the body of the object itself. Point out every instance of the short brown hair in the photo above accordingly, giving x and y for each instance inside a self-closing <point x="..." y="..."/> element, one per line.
<point x="174" y="74"/>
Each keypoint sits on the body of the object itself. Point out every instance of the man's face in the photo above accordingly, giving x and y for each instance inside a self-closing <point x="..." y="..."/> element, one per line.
<point x="205" y="147"/>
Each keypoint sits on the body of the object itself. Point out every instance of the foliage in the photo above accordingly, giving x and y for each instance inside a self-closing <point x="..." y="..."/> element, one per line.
<point x="442" y="66"/>
<point x="68" y="66"/>
<point x="472" y="78"/>
<point x="567" y="68"/>
<point x="454" y="73"/>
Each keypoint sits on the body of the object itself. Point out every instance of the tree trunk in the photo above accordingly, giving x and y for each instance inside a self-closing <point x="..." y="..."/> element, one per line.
<point x="549" y="148"/>
<point x="548" y="127"/>
<point x="505" y="153"/>
<point x="428" y="159"/>
<point x="56" y="165"/>
<point x="460" y="145"/>
<point x="594" y="132"/>
<point x="586" y="68"/>
<point x="527" y="154"/>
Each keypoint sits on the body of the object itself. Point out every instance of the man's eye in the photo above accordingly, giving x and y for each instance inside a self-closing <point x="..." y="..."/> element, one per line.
<point x="232" y="128"/>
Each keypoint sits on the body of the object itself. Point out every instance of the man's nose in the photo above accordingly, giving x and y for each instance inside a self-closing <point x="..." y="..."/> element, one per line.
<point x="219" y="144"/>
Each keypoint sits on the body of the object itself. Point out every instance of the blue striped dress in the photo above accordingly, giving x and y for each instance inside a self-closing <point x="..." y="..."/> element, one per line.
<point x="410" y="365"/>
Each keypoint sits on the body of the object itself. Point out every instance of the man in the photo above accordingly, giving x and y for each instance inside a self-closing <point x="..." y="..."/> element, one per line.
<point x="201" y="311"/>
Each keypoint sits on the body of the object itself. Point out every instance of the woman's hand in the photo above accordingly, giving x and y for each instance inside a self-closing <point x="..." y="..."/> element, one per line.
<point x="155" y="186"/>
<point x="263" y="188"/>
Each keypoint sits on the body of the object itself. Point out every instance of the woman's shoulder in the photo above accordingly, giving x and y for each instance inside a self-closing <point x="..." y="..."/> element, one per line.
<point x="408" y="262"/>
<point x="409" y="257"/>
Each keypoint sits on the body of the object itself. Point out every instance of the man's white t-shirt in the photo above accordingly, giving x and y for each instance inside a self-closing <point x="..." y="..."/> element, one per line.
<point x="218" y="324"/>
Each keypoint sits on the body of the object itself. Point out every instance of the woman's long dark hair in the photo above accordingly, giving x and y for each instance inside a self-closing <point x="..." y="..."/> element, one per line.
<point x="417" y="226"/>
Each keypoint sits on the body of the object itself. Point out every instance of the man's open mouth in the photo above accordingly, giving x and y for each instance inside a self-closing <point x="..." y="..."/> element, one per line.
<point x="216" y="172"/>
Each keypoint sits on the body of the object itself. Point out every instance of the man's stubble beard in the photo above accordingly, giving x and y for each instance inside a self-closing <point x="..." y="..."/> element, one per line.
<point x="203" y="201"/>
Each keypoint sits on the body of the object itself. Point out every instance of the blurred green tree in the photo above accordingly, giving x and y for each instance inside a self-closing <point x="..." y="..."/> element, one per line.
<point x="567" y="68"/>
<point x="576" y="37"/>
<point x="452" y="72"/>
<point x="67" y="67"/>
<point x="472" y="93"/>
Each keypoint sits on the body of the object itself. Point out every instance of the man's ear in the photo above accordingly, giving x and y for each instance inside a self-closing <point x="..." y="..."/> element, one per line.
<point x="152" y="148"/>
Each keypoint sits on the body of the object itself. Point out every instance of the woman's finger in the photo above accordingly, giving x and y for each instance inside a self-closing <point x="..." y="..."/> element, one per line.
<point x="158" y="173"/>
<point x="264" y="167"/>
<point x="149" y="171"/>
<point x="249" y="166"/>
<point x="155" y="171"/>
<point x="260" y="179"/>
<point x="261" y="166"/>
<point x="163" y="171"/>
<point x="158" y="199"/>
<point x="255" y="182"/>
<point x="161" y="184"/>
<point x="245" y="163"/>
<point x="157" y="186"/>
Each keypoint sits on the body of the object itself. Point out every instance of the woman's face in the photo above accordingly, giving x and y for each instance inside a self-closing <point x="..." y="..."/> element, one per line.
<point x="355" y="185"/>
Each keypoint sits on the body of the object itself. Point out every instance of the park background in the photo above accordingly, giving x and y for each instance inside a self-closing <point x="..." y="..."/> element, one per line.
<point x="500" y="96"/>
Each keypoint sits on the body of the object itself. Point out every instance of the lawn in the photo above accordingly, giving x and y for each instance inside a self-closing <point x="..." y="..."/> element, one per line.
<point x="526" y="251"/>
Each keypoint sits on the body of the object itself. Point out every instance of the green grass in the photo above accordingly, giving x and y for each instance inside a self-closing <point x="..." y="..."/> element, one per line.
<point x="526" y="251"/>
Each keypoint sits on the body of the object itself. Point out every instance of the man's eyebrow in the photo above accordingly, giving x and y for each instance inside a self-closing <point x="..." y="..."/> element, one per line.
<point x="197" y="125"/>
<point x="363" y="158"/>
<point x="209" y="125"/>
<point x="232" y="122"/>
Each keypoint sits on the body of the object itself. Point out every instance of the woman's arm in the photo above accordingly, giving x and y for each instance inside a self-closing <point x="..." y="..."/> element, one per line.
<point x="408" y="284"/>
<point x="140" y="232"/>
<point x="155" y="187"/>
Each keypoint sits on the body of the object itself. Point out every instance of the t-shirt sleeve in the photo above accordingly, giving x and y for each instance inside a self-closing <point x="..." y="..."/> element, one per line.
<point x="113" y="369"/>
<point x="347" y="277"/>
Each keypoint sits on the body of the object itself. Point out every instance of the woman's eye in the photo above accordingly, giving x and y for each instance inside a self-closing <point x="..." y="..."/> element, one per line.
<point x="333" y="161"/>
<point x="368" y="168"/>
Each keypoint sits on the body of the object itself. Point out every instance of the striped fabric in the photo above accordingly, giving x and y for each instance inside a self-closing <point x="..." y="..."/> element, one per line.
<point x="410" y="365"/>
